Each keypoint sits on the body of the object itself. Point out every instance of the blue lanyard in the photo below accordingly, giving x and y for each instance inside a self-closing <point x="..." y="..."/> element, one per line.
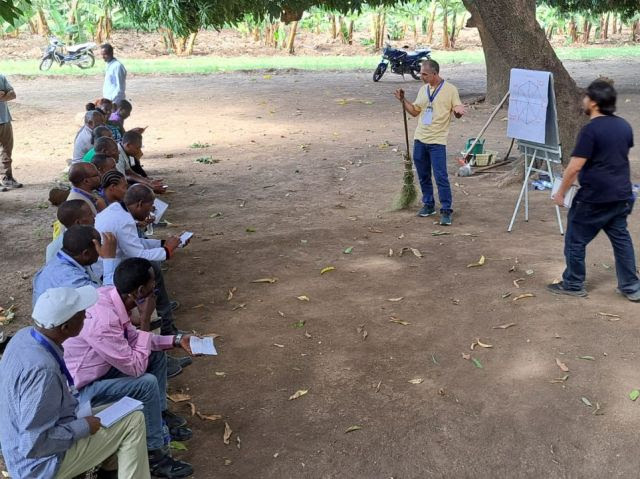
<point x="435" y="93"/>
<point x="63" y="367"/>
<point x="85" y="194"/>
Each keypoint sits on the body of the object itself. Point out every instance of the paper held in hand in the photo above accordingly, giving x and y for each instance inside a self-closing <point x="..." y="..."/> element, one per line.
<point x="202" y="346"/>
<point x="160" y="209"/>
<point x="184" y="237"/>
<point x="568" y="196"/>
<point x="118" y="410"/>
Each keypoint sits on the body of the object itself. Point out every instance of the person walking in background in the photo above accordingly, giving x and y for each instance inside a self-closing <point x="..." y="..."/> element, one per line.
<point x="115" y="78"/>
<point x="6" y="136"/>
<point x="600" y="161"/>
<point x="435" y="103"/>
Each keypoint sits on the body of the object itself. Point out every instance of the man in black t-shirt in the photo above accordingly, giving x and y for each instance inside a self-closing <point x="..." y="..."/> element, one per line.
<point x="600" y="161"/>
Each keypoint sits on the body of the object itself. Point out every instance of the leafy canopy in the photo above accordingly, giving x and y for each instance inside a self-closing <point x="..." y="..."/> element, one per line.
<point x="628" y="8"/>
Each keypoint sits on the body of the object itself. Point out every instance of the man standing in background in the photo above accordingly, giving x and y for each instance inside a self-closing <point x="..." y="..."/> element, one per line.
<point x="6" y="136"/>
<point x="115" y="78"/>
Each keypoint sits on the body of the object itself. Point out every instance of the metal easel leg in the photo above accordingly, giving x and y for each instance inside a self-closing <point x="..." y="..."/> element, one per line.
<point x="523" y="191"/>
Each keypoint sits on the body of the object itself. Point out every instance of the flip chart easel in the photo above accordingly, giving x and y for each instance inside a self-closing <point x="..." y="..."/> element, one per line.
<point x="533" y="122"/>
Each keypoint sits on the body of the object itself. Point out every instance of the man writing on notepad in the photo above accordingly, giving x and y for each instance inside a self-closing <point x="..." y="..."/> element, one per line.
<point x="437" y="100"/>
<point x="40" y="432"/>
<point x="600" y="161"/>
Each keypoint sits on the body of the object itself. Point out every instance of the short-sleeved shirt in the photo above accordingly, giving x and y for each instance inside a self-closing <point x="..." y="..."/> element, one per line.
<point x="82" y="144"/>
<point x="443" y="104"/>
<point x="88" y="156"/>
<point x="5" y="86"/>
<point x="605" y="142"/>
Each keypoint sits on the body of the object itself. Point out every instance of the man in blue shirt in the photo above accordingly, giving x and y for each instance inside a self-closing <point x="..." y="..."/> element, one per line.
<point x="72" y="265"/>
<point x="40" y="431"/>
<point x="115" y="77"/>
<point x="600" y="161"/>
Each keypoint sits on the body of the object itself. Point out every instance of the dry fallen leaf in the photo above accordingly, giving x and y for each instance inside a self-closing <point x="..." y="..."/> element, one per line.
<point x="278" y="345"/>
<point x="265" y="280"/>
<point x="209" y="417"/>
<point x="504" y="326"/>
<point x="307" y="335"/>
<point x="390" y="252"/>
<point x="298" y="393"/>
<point x="193" y="408"/>
<point x="395" y="300"/>
<point x="516" y="282"/>
<point x="562" y="365"/>
<point x="240" y="306"/>
<point x="466" y="356"/>
<point x="221" y="373"/>
<point x="353" y="428"/>
<point x="230" y="294"/>
<point x="612" y="317"/>
<point x="281" y="313"/>
<point x="479" y="263"/>
<point x="483" y="345"/>
<point x="227" y="433"/>
<point x="416" y="381"/>
<point x="378" y="385"/>
<point x="198" y="306"/>
<point x="327" y="269"/>
<point x="178" y="397"/>
<point x="399" y="321"/>
<point x="525" y="295"/>
<point x="303" y="298"/>
<point x="560" y="380"/>
<point x="416" y="252"/>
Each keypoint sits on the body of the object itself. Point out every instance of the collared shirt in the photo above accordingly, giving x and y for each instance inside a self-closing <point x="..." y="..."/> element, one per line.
<point x="38" y="422"/>
<point x="82" y="144"/>
<point x="108" y="339"/>
<point x="124" y="161"/>
<point x="64" y="271"/>
<point x="115" y="81"/>
<point x="5" y="86"/>
<point x="446" y="99"/>
<point x="88" y="198"/>
<point x="117" y="220"/>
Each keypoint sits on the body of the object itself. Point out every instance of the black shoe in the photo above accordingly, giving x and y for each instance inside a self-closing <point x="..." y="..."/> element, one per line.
<point x="163" y="465"/>
<point x="427" y="211"/>
<point x="10" y="183"/>
<point x="172" y="419"/>
<point x="184" y="361"/>
<point x="174" y="305"/>
<point x="558" y="288"/>
<point x="180" y="433"/>
<point x="173" y="367"/>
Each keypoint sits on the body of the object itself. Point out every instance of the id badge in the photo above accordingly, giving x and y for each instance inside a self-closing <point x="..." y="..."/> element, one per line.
<point x="427" y="116"/>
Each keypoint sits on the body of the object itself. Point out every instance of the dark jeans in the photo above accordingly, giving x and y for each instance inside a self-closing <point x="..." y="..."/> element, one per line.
<point x="150" y="389"/>
<point x="163" y="303"/>
<point x="584" y="222"/>
<point x="426" y="157"/>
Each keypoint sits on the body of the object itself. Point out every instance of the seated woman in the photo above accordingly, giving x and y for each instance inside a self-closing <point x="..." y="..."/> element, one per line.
<point x="114" y="187"/>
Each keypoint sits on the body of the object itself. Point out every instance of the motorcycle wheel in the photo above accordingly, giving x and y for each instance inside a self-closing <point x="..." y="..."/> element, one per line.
<point x="86" y="61"/>
<point x="415" y="73"/>
<point x="378" y="73"/>
<point x="46" y="63"/>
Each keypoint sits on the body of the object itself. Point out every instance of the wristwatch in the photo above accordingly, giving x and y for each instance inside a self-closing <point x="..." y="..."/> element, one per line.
<point x="177" y="339"/>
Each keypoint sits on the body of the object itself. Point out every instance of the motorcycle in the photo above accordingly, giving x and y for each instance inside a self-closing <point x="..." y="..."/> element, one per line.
<point x="80" y="55"/>
<point x="401" y="61"/>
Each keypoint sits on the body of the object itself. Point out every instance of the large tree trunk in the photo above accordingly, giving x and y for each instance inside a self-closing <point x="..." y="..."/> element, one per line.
<point x="573" y="30"/>
<point x="334" y="31"/>
<point x="526" y="47"/>
<point x="432" y="20"/>
<point x="445" y="28"/>
<point x="604" y="33"/>
<point x="191" y="42"/>
<point x="292" y="38"/>
<point x="350" y="33"/>
<point x="43" y="26"/>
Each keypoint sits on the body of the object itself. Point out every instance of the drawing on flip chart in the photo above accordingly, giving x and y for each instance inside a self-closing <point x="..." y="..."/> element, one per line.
<point x="528" y="102"/>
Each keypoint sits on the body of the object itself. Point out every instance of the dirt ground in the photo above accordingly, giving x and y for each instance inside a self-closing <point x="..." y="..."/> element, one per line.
<point x="310" y="162"/>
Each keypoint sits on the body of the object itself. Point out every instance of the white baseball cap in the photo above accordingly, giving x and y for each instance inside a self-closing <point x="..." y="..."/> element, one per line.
<point x="56" y="306"/>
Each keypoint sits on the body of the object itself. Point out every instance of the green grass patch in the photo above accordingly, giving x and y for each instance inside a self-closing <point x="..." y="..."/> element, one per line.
<point x="205" y="65"/>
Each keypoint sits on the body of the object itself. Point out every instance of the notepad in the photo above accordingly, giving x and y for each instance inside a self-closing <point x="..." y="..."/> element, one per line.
<point x="568" y="196"/>
<point x="160" y="209"/>
<point x="202" y="346"/>
<point x="118" y="410"/>
<point x="184" y="237"/>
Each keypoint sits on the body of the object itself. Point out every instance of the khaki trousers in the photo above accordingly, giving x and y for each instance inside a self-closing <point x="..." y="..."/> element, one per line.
<point x="6" y="148"/>
<point x="126" y="439"/>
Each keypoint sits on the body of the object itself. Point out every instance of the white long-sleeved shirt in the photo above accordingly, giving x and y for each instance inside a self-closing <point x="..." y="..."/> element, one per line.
<point x="115" y="81"/>
<point x="116" y="219"/>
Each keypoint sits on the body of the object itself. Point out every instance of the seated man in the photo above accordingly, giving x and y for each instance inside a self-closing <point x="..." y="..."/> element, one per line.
<point x="71" y="212"/>
<point x="98" y="132"/>
<point x="72" y="266"/>
<point x="82" y="142"/>
<point x="104" y="163"/>
<point x="120" y="218"/>
<point x="41" y="435"/>
<point x="130" y="152"/>
<point x="111" y="359"/>
<point x="85" y="179"/>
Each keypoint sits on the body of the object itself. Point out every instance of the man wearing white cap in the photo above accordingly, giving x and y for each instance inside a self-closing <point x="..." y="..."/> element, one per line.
<point x="40" y="432"/>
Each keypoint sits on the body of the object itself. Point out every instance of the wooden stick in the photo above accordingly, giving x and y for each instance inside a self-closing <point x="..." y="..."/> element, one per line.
<point x="406" y="128"/>
<point x="484" y="128"/>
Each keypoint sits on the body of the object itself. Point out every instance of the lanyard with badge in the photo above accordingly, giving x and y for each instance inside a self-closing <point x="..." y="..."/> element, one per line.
<point x="63" y="367"/>
<point x="427" y="117"/>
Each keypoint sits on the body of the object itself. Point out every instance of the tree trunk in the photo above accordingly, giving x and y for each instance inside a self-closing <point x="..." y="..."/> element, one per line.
<point x="256" y="34"/>
<point x="525" y="47"/>
<point x="375" y="30"/>
<point x="383" y="19"/>
<point x="168" y="39"/>
<point x="43" y="26"/>
<point x="634" y="30"/>
<point x="452" y="37"/>
<point x="432" y="20"/>
<point x="614" y="27"/>
<point x="191" y="42"/>
<point x="445" y="28"/>
<point x="292" y="38"/>
<point x="332" y="20"/>
<point x="181" y="45"/>
<point x="350" y="36"/>
<point x="550" y="32"/>
<point x="586" y="31"/>
<point x="340" y="28"/>
<point x="605" y="30"/>
<point x="573" y="30"/>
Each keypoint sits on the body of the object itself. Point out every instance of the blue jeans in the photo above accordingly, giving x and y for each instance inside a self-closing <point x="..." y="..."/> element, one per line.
<point x="150" y="388"/>
<point x="425" y="157"/>
<point x="584" y="222"/>
<point x="163" y="303"/>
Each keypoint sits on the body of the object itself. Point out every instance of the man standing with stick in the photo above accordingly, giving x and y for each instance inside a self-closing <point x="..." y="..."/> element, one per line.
<point x="435" y="103"/>
<point x="600" y="161"/>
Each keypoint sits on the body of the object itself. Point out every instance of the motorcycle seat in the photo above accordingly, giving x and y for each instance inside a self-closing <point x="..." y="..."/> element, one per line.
<point x="80" y="46"/>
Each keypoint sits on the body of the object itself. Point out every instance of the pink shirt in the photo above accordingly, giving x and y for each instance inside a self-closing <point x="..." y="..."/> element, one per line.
<point x="108" y="339"/>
